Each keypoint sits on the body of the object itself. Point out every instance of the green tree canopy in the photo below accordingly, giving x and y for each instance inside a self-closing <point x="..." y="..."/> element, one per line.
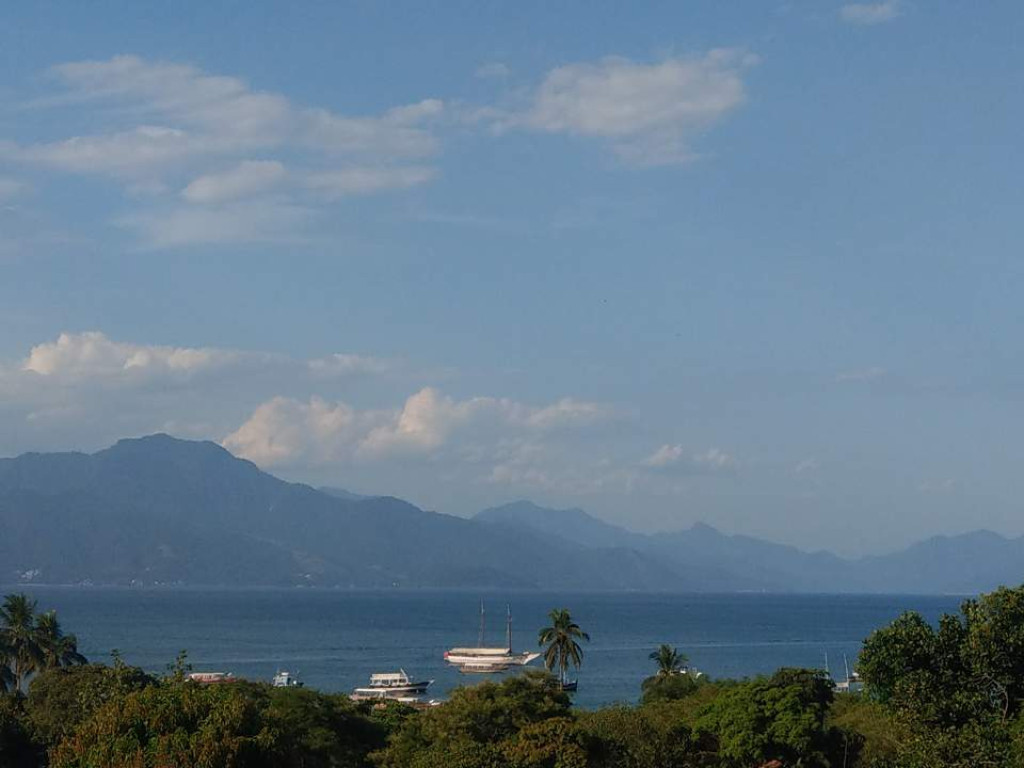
<point x="782" y="717"/>
<point x="968" y="668"/>
<point x="60" y="699"/>
<point x="668" y="688"/>
<point x="477" y="720"/>
<point x="238" y="725"/>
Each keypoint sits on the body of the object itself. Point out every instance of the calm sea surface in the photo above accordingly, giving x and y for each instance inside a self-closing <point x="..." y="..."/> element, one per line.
<point x="333" y="640"/>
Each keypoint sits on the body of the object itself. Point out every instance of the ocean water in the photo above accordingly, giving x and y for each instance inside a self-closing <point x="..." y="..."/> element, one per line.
<point x="334" y="640"/>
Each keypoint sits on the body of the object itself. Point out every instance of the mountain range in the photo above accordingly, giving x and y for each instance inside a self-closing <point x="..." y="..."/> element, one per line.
<point x="159" y="510"/>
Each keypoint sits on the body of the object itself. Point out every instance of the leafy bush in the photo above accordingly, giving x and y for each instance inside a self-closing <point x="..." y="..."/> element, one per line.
<point x="241" y="725"/>
<point x="669" y="687"/>
<point x="782" y="717"/>
<point x="60" y="699"/>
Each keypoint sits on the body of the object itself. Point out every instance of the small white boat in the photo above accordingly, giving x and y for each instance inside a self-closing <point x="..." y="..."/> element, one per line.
<point x="483" y="659"/>
<point x="286" y="680"/>
<point x="394" y="686"/>
<point x="212" y="678"/>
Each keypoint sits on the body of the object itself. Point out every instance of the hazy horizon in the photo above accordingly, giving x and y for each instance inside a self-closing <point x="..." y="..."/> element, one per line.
<point x="747" y="265"/>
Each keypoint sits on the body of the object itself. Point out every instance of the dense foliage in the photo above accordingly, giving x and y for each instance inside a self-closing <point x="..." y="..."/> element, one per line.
<point x="31" y="642"/>
<point x="956" y="691"/>
<point x="945" y="695"/>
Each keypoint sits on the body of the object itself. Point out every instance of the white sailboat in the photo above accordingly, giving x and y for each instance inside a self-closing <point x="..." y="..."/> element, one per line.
<point x="484" y="659"/>
<point x="852" y="683"/>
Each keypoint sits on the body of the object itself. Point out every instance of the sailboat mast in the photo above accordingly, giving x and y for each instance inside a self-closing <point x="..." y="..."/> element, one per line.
<point x="508" y="629"/>
<point x="480" y="644"/>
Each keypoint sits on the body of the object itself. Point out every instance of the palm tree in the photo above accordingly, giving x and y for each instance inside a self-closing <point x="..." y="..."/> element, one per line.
<point x="19" y="638"/>
<point x="30" y="642"/>
<point x="669" y="660"/>
<point x="560" y="638"/>
<point x="58" y="649"/>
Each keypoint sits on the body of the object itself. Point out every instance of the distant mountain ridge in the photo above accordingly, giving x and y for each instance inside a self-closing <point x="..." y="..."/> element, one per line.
<point x="162" y="510"/>
<point x="159" y="510"/>
<point x="341" y="493"/>
<point x="969" y="563"/>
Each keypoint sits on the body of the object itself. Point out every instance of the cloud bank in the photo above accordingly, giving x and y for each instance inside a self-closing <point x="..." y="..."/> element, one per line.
<point x="206" y="159"/>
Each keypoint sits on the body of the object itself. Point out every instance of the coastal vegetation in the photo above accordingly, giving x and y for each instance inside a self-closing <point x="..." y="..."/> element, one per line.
<point x="949" y="694"/>
<point x="673" y="679"/>
<point x="31" y="642"/>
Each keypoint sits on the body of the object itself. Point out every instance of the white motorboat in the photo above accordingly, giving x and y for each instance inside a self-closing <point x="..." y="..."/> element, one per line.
<point x="395" y="686"/>
<point x="286" y="680"/>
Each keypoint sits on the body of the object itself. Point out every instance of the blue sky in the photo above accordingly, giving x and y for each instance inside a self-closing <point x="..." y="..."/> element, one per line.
<point x="750" y="263"/>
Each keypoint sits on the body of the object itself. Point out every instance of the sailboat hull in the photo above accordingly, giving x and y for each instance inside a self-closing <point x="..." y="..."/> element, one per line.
<point x="486" y="660"/>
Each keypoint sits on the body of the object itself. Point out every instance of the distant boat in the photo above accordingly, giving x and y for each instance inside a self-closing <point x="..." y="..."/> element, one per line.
<point x="286" y="680"/>
<point x="853" y="682"/>
<point x="395" y="686"/>
<point x="212" y="678"/>
<point x="570" y="686"/>
<point x="483" y="659"/>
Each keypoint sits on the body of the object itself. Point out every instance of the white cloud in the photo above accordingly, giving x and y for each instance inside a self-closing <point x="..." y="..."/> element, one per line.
<point x="361" y="181"/>
<point x="221" y="106"/>
<point x="399" y="132"/>
<point x="246" y="221"/>
<point x="215" y="114"/>
<point x="174" y="126"/>
<point x="676" y="458"/>
<point x="78" y="357"/>
<point x="425" y="422"/>
<point x="85" y="390"/>
<point x="244" y="180"/>
<point x="649" y="113"/>
<point x="128" y="154"/>
<point x="285" y="430"/>
<point x="866" y="14"/>
<point x="565" y="413"/>
<point x="862" y="374"/>
<point x="92" y="355"/>
<point x="428" y="419"/>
